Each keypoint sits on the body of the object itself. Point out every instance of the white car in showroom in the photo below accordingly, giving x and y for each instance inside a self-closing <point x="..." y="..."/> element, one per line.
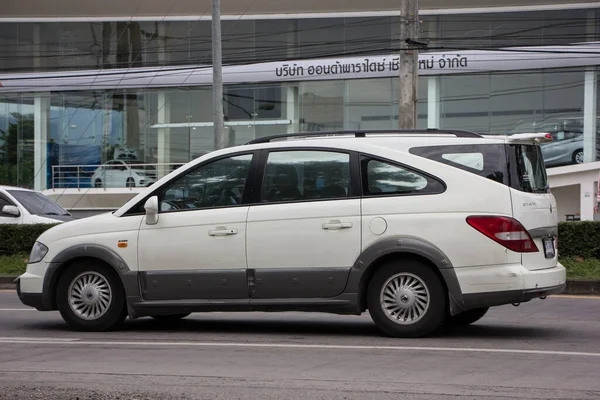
<point x="420" y="228"/>
<point x="123" y="173"/>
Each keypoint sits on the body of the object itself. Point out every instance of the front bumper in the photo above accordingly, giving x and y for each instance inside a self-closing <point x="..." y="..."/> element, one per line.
<point x="35" y="300"/>
<point x="30" y="287"/>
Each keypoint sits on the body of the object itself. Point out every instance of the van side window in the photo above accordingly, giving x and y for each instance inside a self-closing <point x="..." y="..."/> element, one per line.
<point x="218" y="184"/>
<point x="384" y="178"/>
<point x="305" y="175"/>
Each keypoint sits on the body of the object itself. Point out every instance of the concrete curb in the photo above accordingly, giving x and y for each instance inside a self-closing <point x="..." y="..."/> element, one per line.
<point x="582" y="287"/>
<point x="574" y="287"/>
<point x="7" y="282"/>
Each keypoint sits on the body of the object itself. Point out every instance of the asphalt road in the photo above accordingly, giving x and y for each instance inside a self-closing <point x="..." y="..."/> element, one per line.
<point x="541" y="350"/>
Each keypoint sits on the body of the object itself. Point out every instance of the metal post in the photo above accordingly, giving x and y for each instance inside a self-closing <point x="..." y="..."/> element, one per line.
<point x="409" y="64"/>
<point x="217" y="76"/>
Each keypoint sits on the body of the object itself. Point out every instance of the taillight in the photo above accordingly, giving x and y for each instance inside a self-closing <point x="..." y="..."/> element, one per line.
<point x="504" y="230"/>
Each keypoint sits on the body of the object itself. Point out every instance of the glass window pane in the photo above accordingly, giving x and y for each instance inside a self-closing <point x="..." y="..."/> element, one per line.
<point x="465" y="102"/>
<point x="320" y="37"/>
<point x="383" y="178"/>
<point x="322" y="106"/>
<point x="516" y="100"/>
<point x="218" y="184"/>
<point x="369" y="104"/>
<point x="367" y="35"/>
<point x="306" y="175"/>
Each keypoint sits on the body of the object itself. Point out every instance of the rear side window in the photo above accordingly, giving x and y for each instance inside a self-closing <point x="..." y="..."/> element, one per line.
<point x="518" y="166"/>
<point x="530" y="169"/>
<point x="298" y="175"/>
<point x="384" y="178"/>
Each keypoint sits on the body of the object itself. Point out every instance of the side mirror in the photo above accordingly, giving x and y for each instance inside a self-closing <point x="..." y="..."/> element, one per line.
<point x="13" y="211"/>
<point x="151" y="207"/>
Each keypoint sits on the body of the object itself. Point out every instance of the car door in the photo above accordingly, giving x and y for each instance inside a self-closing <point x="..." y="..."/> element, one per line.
<point x="108" y="174"/>
<point x="304" y="224"/>
<point x="197" y="249"/>
<point x="120" y="174"/>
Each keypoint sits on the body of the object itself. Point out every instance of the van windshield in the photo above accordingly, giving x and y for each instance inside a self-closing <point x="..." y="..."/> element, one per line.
<point x="518" y="166"/>
<point x="37" y="204"/>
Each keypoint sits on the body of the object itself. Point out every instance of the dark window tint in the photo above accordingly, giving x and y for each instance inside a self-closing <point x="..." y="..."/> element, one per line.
<point x="383" y="178"/>
<point x="526" y="173"/>
<point x="37" y="204"/>
<point x="306" y="175"/>
<point x="218" y="184"/>
<point x="531" y="172"/>
<point x="488" y="161"/>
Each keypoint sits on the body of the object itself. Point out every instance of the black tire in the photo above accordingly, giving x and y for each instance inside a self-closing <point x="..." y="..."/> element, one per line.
<point x="98" y="183"/>
<point x="578" y="156"/>
<point x="467" y="317"/>
<point x="115" y="313"/>
<point x="130" y="183"/>
<point x="170" y="317"/>
<point x="434" y="314"/>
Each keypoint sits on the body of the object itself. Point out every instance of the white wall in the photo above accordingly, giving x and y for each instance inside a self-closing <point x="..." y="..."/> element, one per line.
<point x="567" y="200"/>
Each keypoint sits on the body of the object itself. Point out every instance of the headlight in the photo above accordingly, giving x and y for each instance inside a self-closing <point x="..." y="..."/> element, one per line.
<point x="38" y="252"/>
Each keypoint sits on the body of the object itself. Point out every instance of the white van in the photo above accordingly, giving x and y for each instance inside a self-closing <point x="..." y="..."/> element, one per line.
<point x="420" y="228"/>
<point x="24" y="206"/>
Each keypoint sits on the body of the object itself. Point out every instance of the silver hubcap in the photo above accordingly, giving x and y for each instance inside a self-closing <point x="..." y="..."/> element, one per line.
<point x="404" y="298"/>
<point x="90" y="295"/>
<point x="579" y="158"/>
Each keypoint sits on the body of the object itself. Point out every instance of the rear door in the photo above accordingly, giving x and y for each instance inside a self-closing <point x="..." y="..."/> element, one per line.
<point x="304" y="230"/>
<point x="533" y="204"/>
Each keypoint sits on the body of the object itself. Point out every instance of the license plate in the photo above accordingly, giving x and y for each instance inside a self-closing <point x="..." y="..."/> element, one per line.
<point x="549" y="250"/>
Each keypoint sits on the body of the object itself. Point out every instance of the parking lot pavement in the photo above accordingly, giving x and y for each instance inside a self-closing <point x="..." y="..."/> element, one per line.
<point x="542" y="349"/>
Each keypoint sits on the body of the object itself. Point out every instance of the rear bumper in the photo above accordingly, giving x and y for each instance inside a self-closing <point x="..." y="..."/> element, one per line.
<point x="508" y="284"/>
<point x="491" y="299"/>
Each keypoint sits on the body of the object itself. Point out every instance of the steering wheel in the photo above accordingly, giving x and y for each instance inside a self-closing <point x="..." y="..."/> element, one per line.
<point x="236" y="193"/>
<point x="167" y="205"/>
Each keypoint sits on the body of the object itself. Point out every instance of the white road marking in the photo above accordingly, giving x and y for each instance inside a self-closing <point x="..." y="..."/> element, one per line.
<point x="27" y="339"/>
<point x="79" y="342"/>
<point x="18" y="309"/>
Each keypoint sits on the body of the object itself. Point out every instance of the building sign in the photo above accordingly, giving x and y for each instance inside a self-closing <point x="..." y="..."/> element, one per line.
<point x="367" y="65"/>
<point x="437" y="63"/>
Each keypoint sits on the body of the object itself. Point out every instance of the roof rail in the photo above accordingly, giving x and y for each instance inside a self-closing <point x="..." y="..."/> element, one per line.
<point x="363" y="133"/>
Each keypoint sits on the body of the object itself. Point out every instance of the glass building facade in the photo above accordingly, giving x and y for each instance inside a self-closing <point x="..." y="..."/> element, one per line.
<point x="58" y="138"/>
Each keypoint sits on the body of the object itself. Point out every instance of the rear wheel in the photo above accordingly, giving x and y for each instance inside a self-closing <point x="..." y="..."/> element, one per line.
<point x="406" y="298"/>
<point x="130" y="182"/>
<point x="467" y="317"/>
<point x="170" y="317"/>
<point x="90" y="297"/>
<point x="98" y="183"/>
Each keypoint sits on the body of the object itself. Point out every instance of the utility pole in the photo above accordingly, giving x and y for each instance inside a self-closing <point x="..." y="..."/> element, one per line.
<point x="409" y="64"/>
<point x="217" y="61"/>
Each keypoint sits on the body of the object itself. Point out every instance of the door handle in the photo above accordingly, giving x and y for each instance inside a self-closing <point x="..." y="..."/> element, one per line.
<point x="337" y="225"/>
<point x="222" y="231"/>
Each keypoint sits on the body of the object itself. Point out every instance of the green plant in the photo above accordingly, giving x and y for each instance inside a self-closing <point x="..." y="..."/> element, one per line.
<point x="13" y="265"/>
<point x="579" y="239"/>
<point x="18" y="239"/>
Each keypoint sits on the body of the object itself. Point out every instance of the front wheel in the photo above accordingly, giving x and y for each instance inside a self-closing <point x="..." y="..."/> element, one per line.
<point x="406" y="298"/>
<point x="90" y="297"/>
<point x="578" y="157"/>
<point x="467" y="317"/>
